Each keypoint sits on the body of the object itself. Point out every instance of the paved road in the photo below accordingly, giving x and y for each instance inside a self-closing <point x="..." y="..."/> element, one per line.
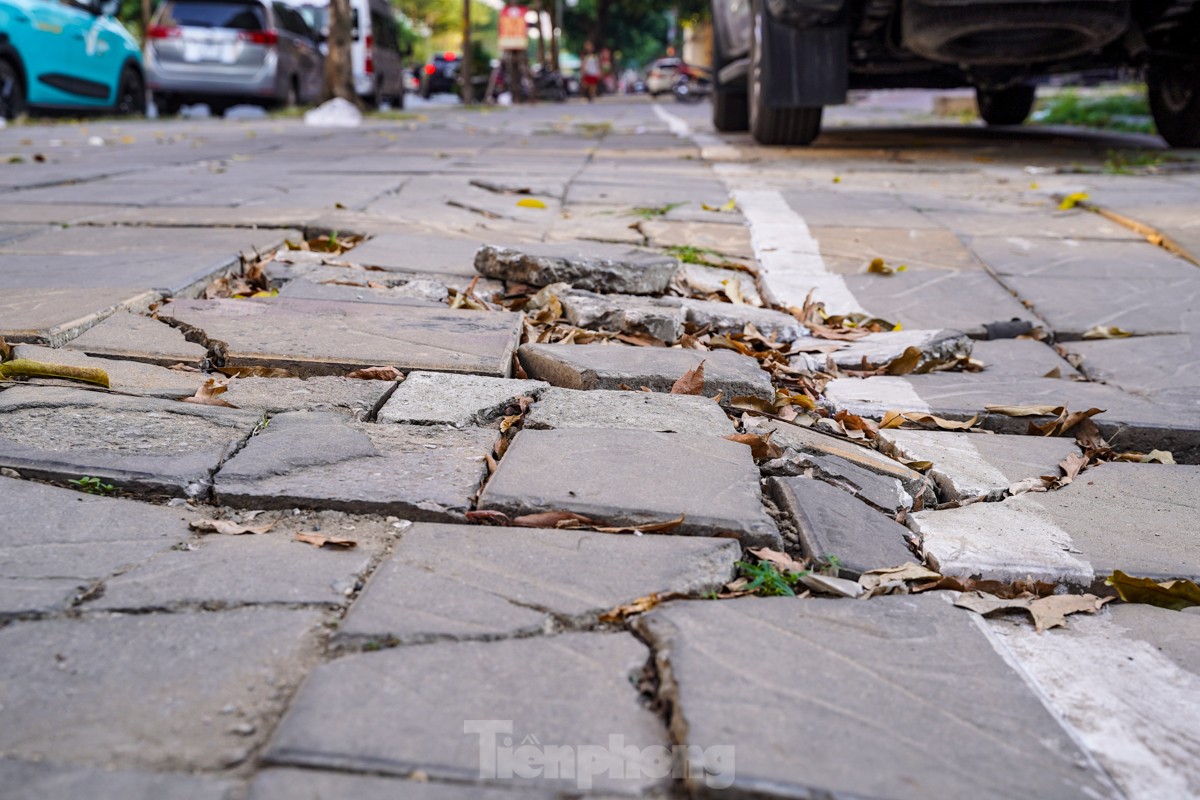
<point x="492" y="567"/>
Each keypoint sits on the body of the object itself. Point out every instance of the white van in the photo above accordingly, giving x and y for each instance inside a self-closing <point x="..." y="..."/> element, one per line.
<point x="375" y="58"/>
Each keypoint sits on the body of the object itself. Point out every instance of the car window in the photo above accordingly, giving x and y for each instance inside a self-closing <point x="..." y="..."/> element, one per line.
<point x="313" y="16"/>
<point x="235" y="14"/>
<point x="291" y="21"/>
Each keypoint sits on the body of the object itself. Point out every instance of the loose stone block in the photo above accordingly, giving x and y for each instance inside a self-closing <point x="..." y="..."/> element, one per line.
<point x="880" y="349"/>
<point x="623" y="313"/>
<point x="882" y="492"/>
<point x="141" y="445"/>
<point x="403" y="710"/>
<point x="130" y="377"/>
<point x="133" y="337"/>
<point x="314" y="337"/>
<point x="733" y="318"/>
<point x="25" y="780"/>
<point x="832" y="522"/>
<point x="54" y="316"/>
<point x="629" y="478"/>
<point x="594" y="267"/>
<point x="702" y="278"/>
<point x="356" y="397"/>
<point x="971" y="465"/>
<point x="56" y="542"/>
<point x="323" y="460"/>
<point x="433" y="398"/>
<point x="417" y="252"/>
<point x="598" y="366"/>
<point x="467" y="581"/>
<point x="940" y="668"/>
<point x="416" y="293"/>
<point x="652" y="411"/>
<point x="140" y="714"/>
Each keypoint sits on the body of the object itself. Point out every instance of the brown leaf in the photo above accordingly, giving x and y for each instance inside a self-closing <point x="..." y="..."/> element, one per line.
<point x="551" y="519"/>
<point x="639" y="606"/>
<point x="782" y="560"/>
<point x="228" y="526"/>
<point x="1176" y="595"/>
<point x="895" y="419"/>
<point x="377" y="374"/>
<point x="321" y="540"/>
<point x="761" y="447"/>
<point x="640" y="340"/>
<point x="1071" y="466"/>
<point x="181" y="367"/>
<point x="488" y="517"/>
<point x="27" y="368"/>
<point x="652" y="527"/>
<point x="1026" y="411"/>
<point x="692" y="381"/>
<point x="1047" y="612"/>
<point x="209" y="394"/>
<point x="895" y="579"/>
<point x="255" y="372"/>
<point x="904" y="363"/>
<point x="753" y="404"/>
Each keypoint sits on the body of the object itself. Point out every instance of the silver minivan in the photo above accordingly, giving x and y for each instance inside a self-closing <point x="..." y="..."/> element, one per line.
<point x="224" y="52"/>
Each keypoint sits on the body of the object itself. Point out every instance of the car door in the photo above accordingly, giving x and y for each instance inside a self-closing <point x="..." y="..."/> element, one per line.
<point x="308" y="55"/>
<point x="53" y="72"/>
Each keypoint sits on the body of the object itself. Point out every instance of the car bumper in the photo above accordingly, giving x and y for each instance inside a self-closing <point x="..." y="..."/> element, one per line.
<point x="212" y="82"/>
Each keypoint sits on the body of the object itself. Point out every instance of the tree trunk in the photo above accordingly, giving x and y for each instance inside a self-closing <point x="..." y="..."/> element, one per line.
<point x="541" y="44"/>
<point x="600" y="25"/>
<point x="339" y="79"/>
<point x="554" y="54"/>
<point x="464" y="73"/>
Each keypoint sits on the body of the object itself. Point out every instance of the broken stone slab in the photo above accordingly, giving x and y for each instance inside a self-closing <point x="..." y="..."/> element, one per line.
<point x="599" y="366"/>
<point x="593" y="267"/>
<point x="972" y="465"/>
<point x="817" y="714"/>
<point x="1150" y="366"/>
<point x="733" y="318"/>
<point x="1129" y="422"/>
<point x="882" y="492"/>
<point x="831" y="522"/>
<point x="55" y="316"/>
<point x="439" y="398"/>
<point x="630" y="478"/>
<point x="584" y="693"/>
<point x="289" y="784"/>
<point x="447" y="581"/>
<point x="55" y="543"/>
<point x="803" y="440"/>
<point x="322" y="460"/>
<point x="357" y="397"/>
<point x="313" y="337"/>
<point x="141" y="715"/>
<point x="129" y="377"/>
<point x="414" y="293"/>
<point x="622" y="313"/>
<point x="652" y="411"/>
<point x="880" y="349"/>
<point x="133" y="337"/>
<point x="710" y="280"/>
<point x="140" y="445"/>
<point x="27" y="780"/>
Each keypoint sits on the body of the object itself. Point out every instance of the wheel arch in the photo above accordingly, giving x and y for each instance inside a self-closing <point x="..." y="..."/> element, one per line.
<point x="9" y="53"/>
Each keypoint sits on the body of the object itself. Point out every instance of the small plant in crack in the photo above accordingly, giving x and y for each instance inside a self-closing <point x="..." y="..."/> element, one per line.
<point x="829" y="565"/>
<point x="651" y="212"/>
<point x="89" y="485"/>
<point x="768" y="580"/>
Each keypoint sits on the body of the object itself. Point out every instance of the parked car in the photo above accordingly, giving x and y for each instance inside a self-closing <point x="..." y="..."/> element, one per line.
<point x="662" y="76"/>
<point x="779" y="62"/>
<point x="224" y="52"/>
<point x="376" y="63"/>
<point x="440" y="75"/>
<point x="60" y="56"/>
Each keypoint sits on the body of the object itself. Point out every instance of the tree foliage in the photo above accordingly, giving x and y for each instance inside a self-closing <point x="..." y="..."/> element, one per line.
<point x="637" y="29"/>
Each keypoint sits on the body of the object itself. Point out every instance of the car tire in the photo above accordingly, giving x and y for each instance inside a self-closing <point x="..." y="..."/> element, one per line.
<point x="167" y="105"/>
<point x="131" y="94"/>
<point x="775" y="126"/>
<point x="12" y="91"/>
<point x="731" y="107"/>
<point x="1174" y="90"/>
<point x="1009" y="106"/>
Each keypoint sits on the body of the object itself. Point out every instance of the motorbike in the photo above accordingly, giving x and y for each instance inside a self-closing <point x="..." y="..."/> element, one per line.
<point x="692" y="85"/>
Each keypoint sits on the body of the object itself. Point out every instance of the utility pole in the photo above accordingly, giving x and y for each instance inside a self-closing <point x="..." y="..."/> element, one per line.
<point x="468" y="88"/>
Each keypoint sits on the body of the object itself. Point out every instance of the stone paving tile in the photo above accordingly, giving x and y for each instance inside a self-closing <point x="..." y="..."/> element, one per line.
<point x="403" y="710"/>
<point x="884" y="493"/>
<point x="969" y="465"/>
<point x="1133" y="663"/>
<point x="290" y="784"/>
<point x="850" y="250"/>
<point x="133" y="337"/>
<point x="1139" y="305"/>
<point x="330" y="338"/>
<point x="831" y="522"/>
<point x="55" y="316"/>
<point x="25" y="780"/>
<point x="629" y="477"/>
<point x="723" y="239"/>
<point x="653" y="411"/>
<point x="141" y="445"/>
<point x="399" y="296"/>
<point x="598" y="366"/>
<point x="1077" y="224"/>
<point x="880" y="349"/>
<point x="359" y="398"/>
<point x="596" y="224"/>
<point x="1020" y="358"/>
<point x="468" y="581"/>
<point x="657" y="193"/>
<point x="1073" y="534"/>
<point x="129" y="377"/>
<point x="625" y="313"/>
<point x="836" y="718"/>
<point x="875" y="209"/>
<point x="1143" y="365"/>
<point x="1078" y="258"/>
<point x="702" y="278"/>
<point x="732" y="318"/>
<point x="95" y="691"/>
<point x="323" y="460"/>
<point x="1129" y="422"/>
<point x="55" y="542"/>
<point x="437" y="398"/>
<point x="592" y="267"/>
<point x="931" y="299"/>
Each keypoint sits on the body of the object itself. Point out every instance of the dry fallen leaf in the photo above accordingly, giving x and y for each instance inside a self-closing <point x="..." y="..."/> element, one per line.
<point x="877" y="267"/>
<point x="896" y="419"/>
<point x="639" y="606"/>
<point x="1071" y="466"/>
<point x="692" y="381"/>
<point x="835" y="586"/>
<point x="651" y="527"/>
<point x="889" y="579"/>
<point x="761" y="447"/>
<point x="1072" y="200"/>
<point x="27" y="368"/>
<point x="228" y="526"/>
<point x="1026" y="411"/>
<point x="256" y="372"/>
<point x="1176" y="595"/>
<point x="530" y="202"/>
<point x="551" y="519"/>
<point x="210" y="394"/>
<point x="488" y="517"/>
<point x="904" y="363"/>
<point x="377" y="374"/>
<point x="1106" y="332"/>
<point x="321" y="540"/>
<point x="1047" y="612"/>
<point x="782" y="560"/>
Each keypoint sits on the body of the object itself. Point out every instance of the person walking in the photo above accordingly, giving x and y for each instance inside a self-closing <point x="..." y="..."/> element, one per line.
<point x="591" y="71"/>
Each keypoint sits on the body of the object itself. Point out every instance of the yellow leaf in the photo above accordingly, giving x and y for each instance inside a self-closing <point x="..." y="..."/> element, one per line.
<point x="530" y="202"/>
<point x="1072" y="200"/>
<point x="1175" y="595"/>
<point x="27" y="368"/>
<point x="1106" y="332"/>
<point x="879" y="268"/>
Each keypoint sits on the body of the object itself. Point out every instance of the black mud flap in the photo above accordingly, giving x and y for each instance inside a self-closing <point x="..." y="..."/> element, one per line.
<point x="804" y="68"/>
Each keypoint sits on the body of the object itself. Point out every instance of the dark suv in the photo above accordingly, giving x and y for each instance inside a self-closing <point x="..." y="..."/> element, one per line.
<point x="779" y="62"/>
